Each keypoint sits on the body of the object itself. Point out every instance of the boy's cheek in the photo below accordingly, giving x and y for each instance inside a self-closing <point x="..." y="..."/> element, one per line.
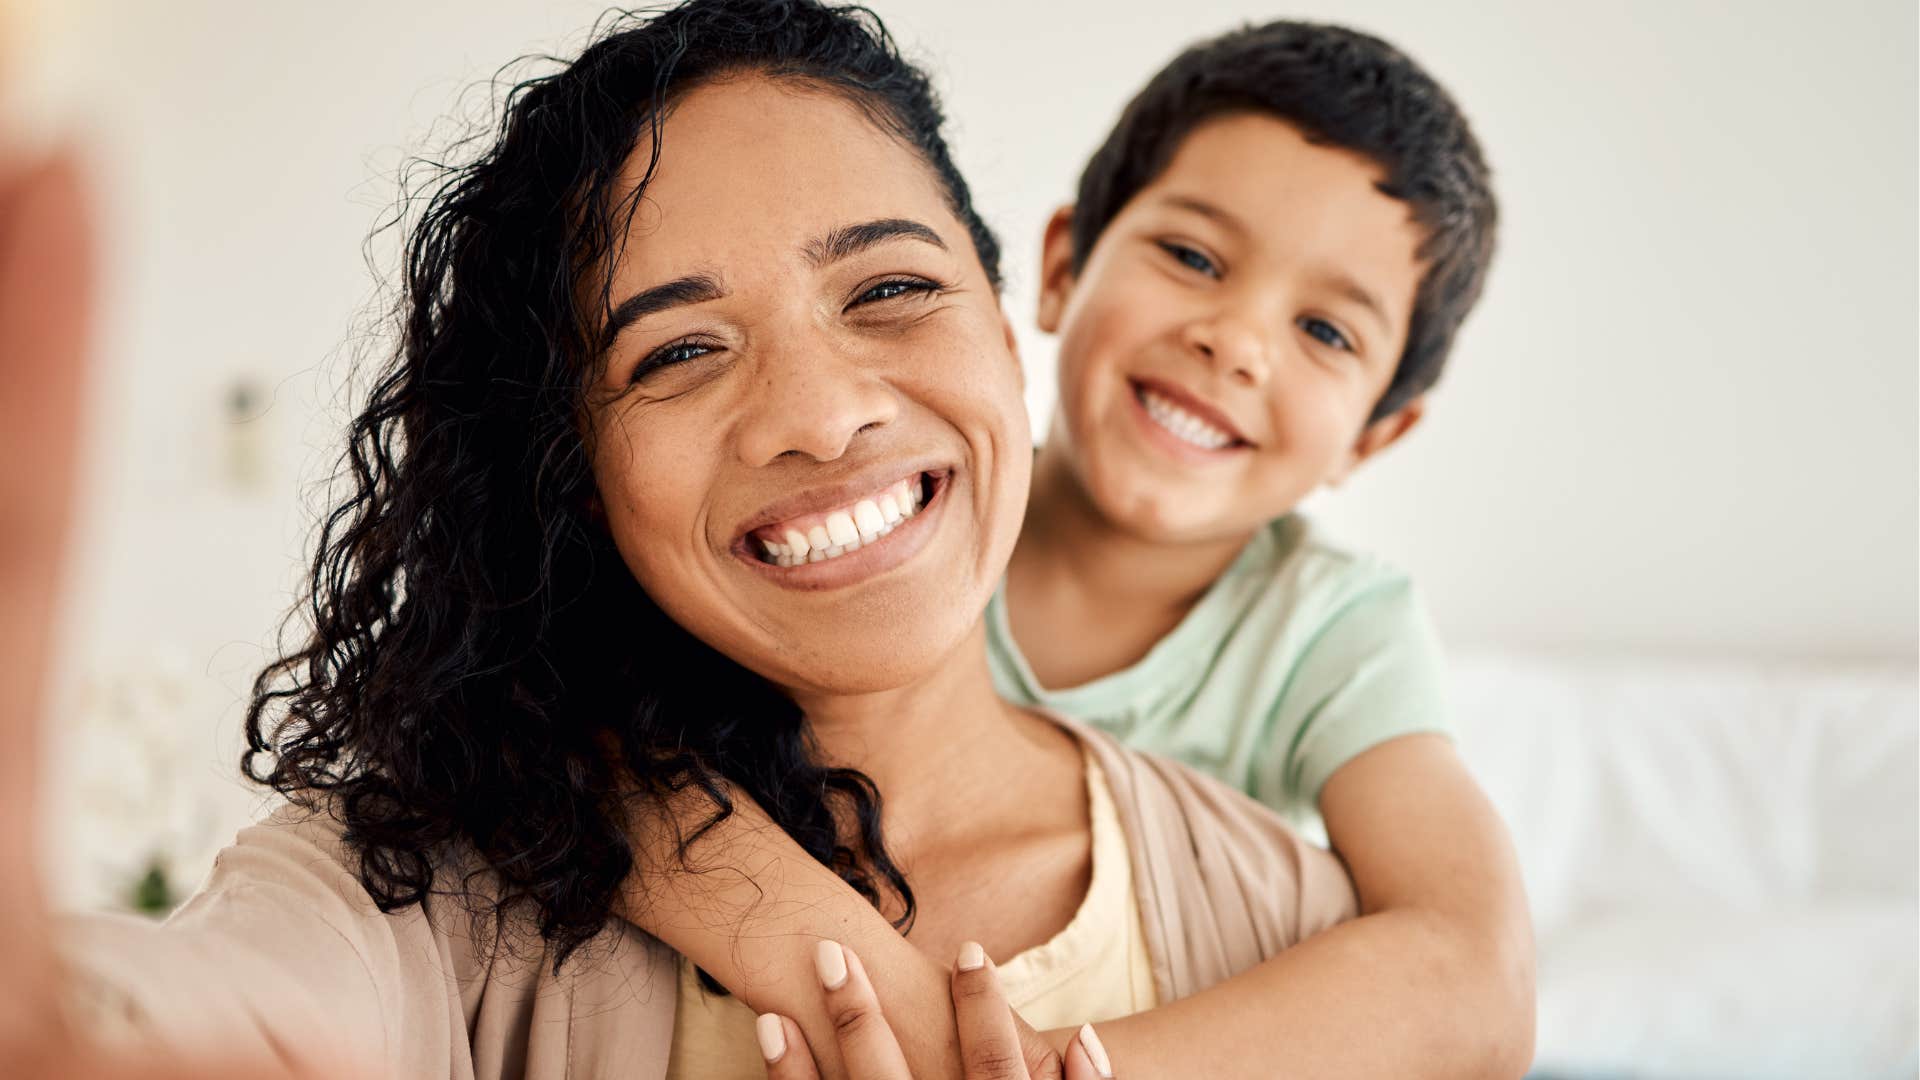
<point x="1116" y="311"/>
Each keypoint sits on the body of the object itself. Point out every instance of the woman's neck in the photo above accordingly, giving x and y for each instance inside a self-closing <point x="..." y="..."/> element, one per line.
<point x="1074" y="569"/>
<point x="948" y="737"/>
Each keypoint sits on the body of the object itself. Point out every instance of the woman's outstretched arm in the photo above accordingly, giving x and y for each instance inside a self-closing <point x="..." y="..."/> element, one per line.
<point x="46" y="1028"/>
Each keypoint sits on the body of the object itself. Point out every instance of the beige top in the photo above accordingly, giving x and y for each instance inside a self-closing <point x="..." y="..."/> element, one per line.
<point x="1094" y="969"/>
<point x="282" y="952"/>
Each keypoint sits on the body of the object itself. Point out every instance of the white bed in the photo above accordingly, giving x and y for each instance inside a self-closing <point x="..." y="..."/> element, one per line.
<point x="1721" y="860"/>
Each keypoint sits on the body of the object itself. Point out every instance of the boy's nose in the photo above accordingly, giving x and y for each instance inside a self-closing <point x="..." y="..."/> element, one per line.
<point x="809" y="399"/>
<point x="1231" y="346"/>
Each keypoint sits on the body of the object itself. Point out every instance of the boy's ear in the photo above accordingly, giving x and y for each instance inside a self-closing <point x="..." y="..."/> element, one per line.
<point x="1377" y="436"/>
<point x="1056" y="269"/>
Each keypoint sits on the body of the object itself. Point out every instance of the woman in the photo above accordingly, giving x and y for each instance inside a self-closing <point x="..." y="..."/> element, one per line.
<point x="700" y="457"/>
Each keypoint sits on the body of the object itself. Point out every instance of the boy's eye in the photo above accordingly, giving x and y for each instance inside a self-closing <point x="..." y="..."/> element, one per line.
<point x="1326" y="333"/>
<point x="677" y="352"/>
<point x="889" y="290"/>
<point x="1189" y="258"/>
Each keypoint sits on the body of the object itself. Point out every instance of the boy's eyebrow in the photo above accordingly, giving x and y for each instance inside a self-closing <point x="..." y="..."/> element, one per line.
<point x="850" y="240"/>
<point x="1206" y="209"/>
<point x="1345" y="285"/>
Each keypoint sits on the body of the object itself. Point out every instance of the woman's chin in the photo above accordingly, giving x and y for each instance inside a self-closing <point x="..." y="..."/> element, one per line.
<point x="874" y="658"/>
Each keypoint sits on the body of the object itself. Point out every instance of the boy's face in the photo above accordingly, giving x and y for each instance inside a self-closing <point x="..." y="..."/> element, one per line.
<point x="1231" y="331"/>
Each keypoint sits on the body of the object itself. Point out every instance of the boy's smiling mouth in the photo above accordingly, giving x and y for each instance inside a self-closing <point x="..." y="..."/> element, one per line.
<point x="1188" y="420"/>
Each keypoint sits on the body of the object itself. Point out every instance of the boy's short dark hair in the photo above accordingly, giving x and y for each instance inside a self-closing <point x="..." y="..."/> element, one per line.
<point x="1341" y="88"/>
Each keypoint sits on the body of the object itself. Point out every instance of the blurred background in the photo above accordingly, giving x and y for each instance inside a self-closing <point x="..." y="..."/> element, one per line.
<point x="1663" y="509"/>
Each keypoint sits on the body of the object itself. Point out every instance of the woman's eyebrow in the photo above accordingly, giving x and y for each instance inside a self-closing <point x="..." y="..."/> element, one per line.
<point x="849" y="240"/>
<point x="691" y="289"/>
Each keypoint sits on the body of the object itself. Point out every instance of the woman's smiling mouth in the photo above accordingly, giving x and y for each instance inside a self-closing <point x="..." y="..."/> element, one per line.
<point x="812" y="538"/>
<point x="852" y="539"/>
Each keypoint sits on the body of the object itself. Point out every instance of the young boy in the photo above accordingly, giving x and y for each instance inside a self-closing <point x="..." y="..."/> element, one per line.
<point x="1259" y="280"/>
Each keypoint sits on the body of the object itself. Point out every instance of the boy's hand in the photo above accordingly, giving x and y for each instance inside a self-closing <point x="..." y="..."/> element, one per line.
<point x="990" y="1039"/>
<point x="749" y="917"/>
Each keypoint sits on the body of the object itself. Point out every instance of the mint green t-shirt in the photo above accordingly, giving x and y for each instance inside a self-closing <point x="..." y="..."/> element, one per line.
<point x="1297" y="659"/>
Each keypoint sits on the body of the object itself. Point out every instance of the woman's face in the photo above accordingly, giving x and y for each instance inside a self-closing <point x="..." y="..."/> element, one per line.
<point x="808" y="355"/>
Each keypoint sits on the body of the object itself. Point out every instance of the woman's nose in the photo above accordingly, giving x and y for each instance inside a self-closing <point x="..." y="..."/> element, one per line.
<point x="812" y="401"/>
<point x="1233" y="343"/>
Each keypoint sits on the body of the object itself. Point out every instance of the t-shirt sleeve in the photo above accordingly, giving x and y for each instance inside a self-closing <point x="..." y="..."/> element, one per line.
<point x="1371" y="673"/>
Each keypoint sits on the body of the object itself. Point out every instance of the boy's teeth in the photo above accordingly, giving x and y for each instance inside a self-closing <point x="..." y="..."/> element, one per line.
<point x="1183" y="424"/>
<point x="842" y="531"/>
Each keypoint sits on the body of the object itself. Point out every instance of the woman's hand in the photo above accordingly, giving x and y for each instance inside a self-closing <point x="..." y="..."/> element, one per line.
<point x="990" y="1043"/>
<point x="45" y="275"/>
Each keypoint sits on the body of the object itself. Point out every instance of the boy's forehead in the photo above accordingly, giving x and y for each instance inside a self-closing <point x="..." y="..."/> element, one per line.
<point x="1293" y="204"/>
<point x="1264" y="177"/>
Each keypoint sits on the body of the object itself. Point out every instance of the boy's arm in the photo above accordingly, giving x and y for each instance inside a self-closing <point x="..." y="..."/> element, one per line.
<point x="1434" y="979"/>
<point x="749" y="913"/>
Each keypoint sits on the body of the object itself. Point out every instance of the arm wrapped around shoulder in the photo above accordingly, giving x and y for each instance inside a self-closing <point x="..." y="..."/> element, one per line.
<point x="1223" y="882"/>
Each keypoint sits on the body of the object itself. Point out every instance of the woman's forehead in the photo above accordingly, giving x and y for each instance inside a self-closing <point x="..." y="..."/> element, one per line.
<point x="754" y="166"/>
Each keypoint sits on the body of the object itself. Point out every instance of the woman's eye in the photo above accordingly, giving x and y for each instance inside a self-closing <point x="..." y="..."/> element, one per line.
<point x="1189" y="258"/>
<point x="1326" y="333"/>
<point x="678" y="352"/>
<point x="888" y="290"/>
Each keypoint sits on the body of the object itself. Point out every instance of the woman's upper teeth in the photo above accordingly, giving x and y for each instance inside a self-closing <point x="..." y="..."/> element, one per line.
<point x="819" y="537"/>
<point x="1183" y="424"/>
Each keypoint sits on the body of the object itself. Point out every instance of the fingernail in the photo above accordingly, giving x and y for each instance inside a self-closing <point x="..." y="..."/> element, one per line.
<point x="831" y="964"/>
<point x="773" y="1037"/>
<point x="972" y="956"/>
<point x="1096" y="1053"/>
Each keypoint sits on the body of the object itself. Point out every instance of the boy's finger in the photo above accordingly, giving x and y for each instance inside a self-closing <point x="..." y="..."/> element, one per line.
<point x="1043" y="1061"/>
<point x="989" y="1045"/>
<point x="784" y="1047"/>
<point x="867" y="1045"/>
<point x="1087" y="1057"/>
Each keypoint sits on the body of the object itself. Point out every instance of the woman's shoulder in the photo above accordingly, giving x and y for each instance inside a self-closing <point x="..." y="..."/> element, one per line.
<point x="1223" y="882"/>
<point x="1157" y="784"/>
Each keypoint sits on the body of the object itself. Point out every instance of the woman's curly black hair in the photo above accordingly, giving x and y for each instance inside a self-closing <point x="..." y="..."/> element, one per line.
<point x="483" y="683"/>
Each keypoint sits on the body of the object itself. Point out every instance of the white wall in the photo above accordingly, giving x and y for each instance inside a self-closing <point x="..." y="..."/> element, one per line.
<point x="1683" y="420"/>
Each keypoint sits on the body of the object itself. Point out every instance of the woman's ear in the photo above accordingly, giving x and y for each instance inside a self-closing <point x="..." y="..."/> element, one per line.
<point x="1056" y="269"/>
<point x="1013" y="347"/>
<point x="1377" y="436"/>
